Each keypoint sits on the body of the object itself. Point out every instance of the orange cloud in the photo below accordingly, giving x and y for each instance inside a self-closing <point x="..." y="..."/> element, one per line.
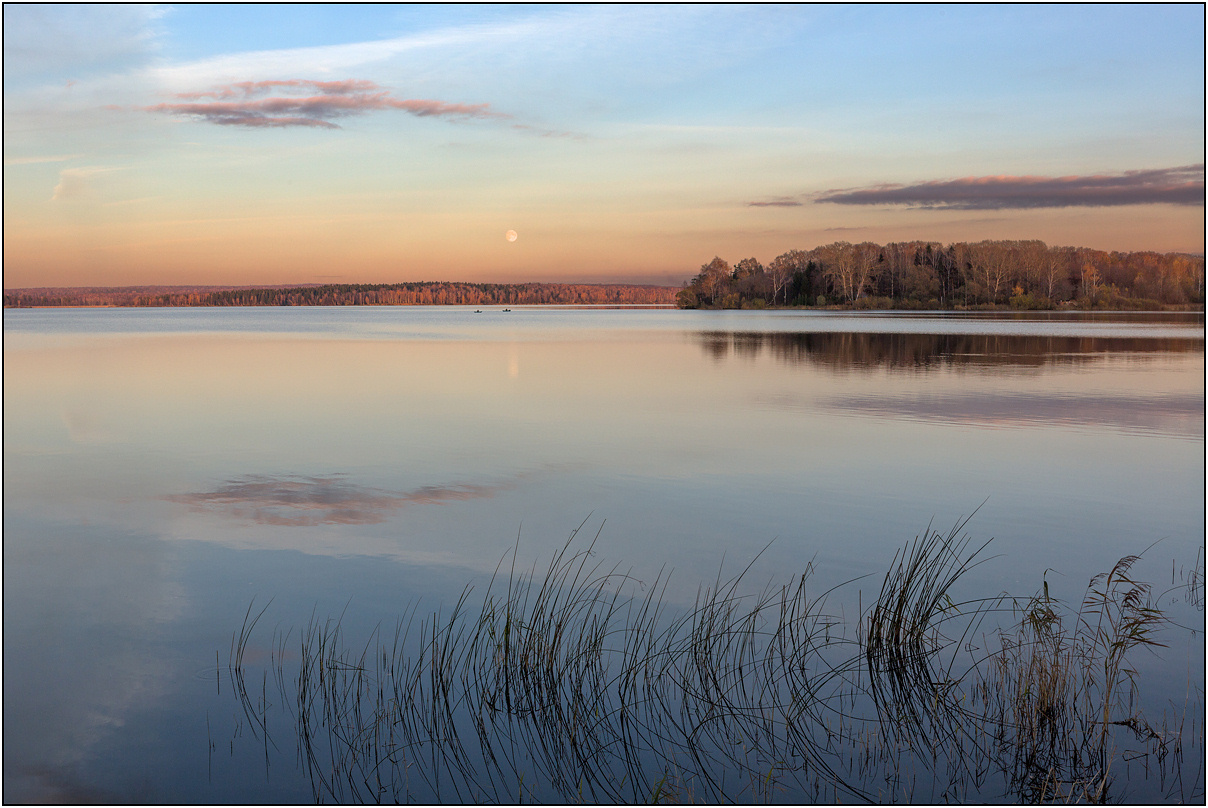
<point x="301" y="102"/>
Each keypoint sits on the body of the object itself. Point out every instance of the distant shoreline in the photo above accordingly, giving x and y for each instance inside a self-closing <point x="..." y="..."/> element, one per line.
<point x="1189" y="308"/>
<point x="490" y="306"/>
<point x="424" y="293"/>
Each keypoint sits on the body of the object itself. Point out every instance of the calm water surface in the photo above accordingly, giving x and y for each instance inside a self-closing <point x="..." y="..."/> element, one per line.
<point x="163" y="468"/>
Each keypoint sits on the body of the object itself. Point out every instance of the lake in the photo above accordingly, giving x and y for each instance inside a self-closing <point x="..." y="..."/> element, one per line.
<point x="166" y="470"/>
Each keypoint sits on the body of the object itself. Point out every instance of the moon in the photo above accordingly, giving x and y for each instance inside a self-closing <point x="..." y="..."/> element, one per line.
<point x="511" y="235"/>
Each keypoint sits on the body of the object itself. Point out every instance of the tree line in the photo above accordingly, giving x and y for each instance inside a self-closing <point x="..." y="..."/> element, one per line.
<point x="352" y="294"/>
<point x="930" y="275"/>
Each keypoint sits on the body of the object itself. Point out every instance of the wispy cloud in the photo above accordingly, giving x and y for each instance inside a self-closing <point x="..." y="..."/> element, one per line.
<point x="77" y="183"/>
<point x="1182" y="185"/>
<point x="324" y="500"/>
<point x="777" y="202"/>
<point x="336" y="59"/>
<point x="60" y="39"/>
<point x="306" y="103"/>
<point x="541" y="132"/>
<point x="53" y="158"/>
<point x="629" y="37"/>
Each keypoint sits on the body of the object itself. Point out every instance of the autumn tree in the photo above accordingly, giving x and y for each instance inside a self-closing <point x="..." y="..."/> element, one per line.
<point x="746" y="268"/>
<point x="714" y="280"/>
<point x="783" y="268"/>
<point x="848" y="267"/>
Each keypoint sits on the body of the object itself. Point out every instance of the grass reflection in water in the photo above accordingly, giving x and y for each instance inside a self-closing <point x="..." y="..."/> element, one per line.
<point x="575" y="684"/>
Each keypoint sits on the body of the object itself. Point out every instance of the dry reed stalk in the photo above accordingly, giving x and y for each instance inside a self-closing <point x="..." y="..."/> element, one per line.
<point x="573" y="684"/>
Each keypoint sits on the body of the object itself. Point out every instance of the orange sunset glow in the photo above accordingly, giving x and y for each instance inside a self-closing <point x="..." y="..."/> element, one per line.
<point x="384" y="146"/>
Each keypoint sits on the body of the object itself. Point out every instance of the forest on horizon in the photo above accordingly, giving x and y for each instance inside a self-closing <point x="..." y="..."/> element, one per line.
<point x="426" y="293"/>
<point x="1025" y="275"/>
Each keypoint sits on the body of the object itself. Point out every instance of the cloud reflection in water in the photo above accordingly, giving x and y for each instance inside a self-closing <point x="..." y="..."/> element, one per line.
<point x="295" y="500"/>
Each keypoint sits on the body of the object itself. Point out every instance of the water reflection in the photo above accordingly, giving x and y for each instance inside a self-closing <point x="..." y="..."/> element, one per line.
<point x="847" y="351"/>
<point x="590" y="690"/>
<point x="84" y="610"/>
<point x="164" y="468"/>
<point x="1177" y="415"/>
<point x="324" y="500"/>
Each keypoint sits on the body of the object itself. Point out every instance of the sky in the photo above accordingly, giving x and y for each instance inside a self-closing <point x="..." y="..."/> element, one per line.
<point x="276" y="144"/>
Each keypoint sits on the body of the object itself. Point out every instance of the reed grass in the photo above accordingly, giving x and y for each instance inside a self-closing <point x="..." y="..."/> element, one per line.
<point x="572" y="683"/>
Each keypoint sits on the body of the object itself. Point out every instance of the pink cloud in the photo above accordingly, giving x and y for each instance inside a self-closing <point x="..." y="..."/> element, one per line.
<point x="301" y="102"/>
<point x="250" y="89"/>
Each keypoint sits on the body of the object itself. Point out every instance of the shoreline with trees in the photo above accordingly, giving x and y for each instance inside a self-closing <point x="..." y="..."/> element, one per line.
<point x="425" y="293"/>
<point x="984" y="275"/>
<point x="911" y="275"/>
